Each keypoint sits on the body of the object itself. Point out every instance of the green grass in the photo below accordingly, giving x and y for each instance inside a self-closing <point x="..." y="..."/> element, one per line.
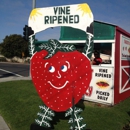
<point x="19" y="104"/>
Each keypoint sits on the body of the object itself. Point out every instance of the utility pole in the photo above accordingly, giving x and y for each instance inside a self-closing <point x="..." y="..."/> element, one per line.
<point x="33" y="4"/>
<point x="33" y="7"/>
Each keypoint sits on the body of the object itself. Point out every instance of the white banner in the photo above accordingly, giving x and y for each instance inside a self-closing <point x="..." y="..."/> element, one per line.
<point x="77" y="16"/>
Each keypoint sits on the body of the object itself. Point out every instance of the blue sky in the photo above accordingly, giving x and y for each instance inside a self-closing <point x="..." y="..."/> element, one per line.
<point x="14" y="14"/>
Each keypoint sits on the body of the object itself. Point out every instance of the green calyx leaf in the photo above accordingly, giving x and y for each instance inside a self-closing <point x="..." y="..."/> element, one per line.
<point x="53" y="46"/>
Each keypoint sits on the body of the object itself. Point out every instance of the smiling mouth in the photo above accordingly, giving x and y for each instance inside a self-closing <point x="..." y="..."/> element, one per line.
<point x="58" y="87"/>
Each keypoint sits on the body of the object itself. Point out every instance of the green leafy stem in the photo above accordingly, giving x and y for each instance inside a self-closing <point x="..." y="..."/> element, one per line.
<point x="44" y="116"/>
<point x="75" y="120"/>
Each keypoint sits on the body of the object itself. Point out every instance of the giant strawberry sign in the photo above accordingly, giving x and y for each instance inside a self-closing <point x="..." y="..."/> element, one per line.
<point x="60" y="74"/>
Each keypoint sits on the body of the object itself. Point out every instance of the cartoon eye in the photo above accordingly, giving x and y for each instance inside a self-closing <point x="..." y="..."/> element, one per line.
<point x="51" y="69"/>
<point x="64" y="68"/>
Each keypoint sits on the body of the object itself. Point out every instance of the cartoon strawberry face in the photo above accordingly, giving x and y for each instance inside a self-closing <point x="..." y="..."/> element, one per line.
<point x="60" y="78"/>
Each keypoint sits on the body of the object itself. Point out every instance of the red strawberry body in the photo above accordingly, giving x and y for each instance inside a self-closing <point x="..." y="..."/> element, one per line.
<point x="58" y="79"/>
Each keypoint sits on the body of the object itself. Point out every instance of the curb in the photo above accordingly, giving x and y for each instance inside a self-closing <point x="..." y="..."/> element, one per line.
<point x="13" y="78"/>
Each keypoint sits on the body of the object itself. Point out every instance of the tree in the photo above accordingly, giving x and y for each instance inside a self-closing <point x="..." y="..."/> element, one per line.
<point x="0" y="48"/>
<point x="14" y="45"/>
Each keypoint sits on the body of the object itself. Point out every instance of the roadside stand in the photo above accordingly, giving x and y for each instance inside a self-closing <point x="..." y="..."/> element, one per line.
<point x="110" y="82"/>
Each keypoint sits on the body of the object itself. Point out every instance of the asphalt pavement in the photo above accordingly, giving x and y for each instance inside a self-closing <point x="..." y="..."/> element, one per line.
<point x="3" y="125"/>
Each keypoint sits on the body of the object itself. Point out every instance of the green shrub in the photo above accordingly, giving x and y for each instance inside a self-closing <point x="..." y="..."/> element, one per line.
<point x="3" y="59"/>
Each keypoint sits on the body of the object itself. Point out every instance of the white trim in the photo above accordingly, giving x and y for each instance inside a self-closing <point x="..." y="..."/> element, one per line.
<point x="123" y="89"/>
<point x="104" y="41"/>
<point x="113" y="55"/>
<point x="120" y="76"/>
<point x="72" y="41"/>
<point x="113" y="64"/>
<point x="83" y="41"/>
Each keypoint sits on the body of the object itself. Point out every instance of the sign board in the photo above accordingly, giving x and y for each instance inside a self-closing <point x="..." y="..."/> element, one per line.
<point x="102" y="85"/>
<point x="77" y="16"/>
<point x="125" y="47"/>
<point x="60" y="73"/>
